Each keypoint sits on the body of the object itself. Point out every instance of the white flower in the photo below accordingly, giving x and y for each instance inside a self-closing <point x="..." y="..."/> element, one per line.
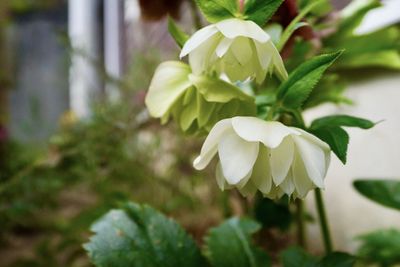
<point x="196" y="102"/>
<point x="238" y="48"/>
<point x="266" y="156"/>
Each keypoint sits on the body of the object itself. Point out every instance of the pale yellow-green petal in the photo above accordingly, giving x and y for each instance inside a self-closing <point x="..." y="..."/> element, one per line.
<point x="169" y="83"/>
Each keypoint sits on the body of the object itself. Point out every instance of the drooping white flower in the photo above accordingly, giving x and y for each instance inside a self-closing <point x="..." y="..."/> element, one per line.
<point x="238" y="48"/>
<point x="196" y="102"/>
<point x="266" y="156"/>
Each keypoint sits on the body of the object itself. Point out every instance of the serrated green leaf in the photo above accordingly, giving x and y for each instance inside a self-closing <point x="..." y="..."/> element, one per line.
<point x="217" y="10"/>
<point x="341" y="120"/>
<point x="330" y="89"/>
<point x="141" y="236"/>
<point x="177" y="34"/>
<point x="260" y="11"/>
<point x="296" y="89"/>
<point x="229" y="245"/>
<point x="297" y="257"/>
<point x="380" y="247"/>
<point x="384" y="192"/>
<point x="336" y="138"/>
<point x="337" y="259"/>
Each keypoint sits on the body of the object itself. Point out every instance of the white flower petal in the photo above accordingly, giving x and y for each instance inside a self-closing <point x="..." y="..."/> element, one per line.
<point x="210" y="146"/>
<point x="282" y="159"/>
<point x="223" y="46"/>
<point x="221" y="181"/>
<point x="204" y="56"/>
<point x="270" y="133"/>
<point x="261" y="175"/>
<point x="170" y="81"/>
<point x="301" y="179"/>
<point x="232" y="28"/>
<point x="197" y="39"/>
<point x="237" y="157"/>
<point x="287" y="185"/>
<point x="313" y="158"/>
<point x="264" y="54"/>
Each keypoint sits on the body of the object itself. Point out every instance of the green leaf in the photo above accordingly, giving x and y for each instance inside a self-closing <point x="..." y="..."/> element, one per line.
<point x="296" y="89"/>
<point x="141" y="236"/>
<point x="179" y="36"/>
<point x="330" y="89"/>
<point x="336" y="138"/>
<point x="297" y="257"/>
<point x="337" y="259"/>
<point x="217" y="10"/>
<point x="384" y="192"/>
<point x="296" y="23"/>
<point x="381" y="248"/>
<point x="341" y="120"/>
<point x="229" y="245"/>
<point x="260" y="11"/>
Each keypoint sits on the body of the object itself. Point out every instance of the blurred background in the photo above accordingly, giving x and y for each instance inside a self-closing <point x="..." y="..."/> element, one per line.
<point x="76" y="140"/>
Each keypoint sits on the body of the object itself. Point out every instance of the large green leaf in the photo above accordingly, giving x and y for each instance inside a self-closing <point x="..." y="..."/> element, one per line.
<point x="337" y="259"/>
<point x="381" y="247"/>
<point x="229" y="245"/>
<point x="336" y="138"/>
<point x="260" y="11"/>
<point x="179" y="35"/>
<point x="141" y="236"/>
<point x="341" y="120"/>
<point x="297" y="257"/>
<point x="296" y="89"/>
<point x="217" y="10"/>
<point x="384" y="192"/>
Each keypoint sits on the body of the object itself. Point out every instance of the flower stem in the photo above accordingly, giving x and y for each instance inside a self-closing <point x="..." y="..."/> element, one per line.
<point x="301" y="238"/>
<point x="323" y="221"/>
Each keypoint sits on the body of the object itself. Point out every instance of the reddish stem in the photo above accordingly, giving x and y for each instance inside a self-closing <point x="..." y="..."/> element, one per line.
<point x="241" y="6"/>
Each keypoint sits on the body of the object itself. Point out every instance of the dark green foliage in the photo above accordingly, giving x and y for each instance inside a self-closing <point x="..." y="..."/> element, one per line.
<point x="381" y="247"/>
<point x="217" y="10"/>
<point x="273" y="214"/>
<point x="230" y="245"/>
<point x="141" y="236"/>
<point x="297" y="257"/>
<point x="384" y="192"/>
<point x="260" y="11"/>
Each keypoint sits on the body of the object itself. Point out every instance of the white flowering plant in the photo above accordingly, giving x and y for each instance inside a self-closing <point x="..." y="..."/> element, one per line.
<point x="244" y="82"/>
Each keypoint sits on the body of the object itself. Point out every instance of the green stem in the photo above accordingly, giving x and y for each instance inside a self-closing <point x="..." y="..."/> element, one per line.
<point x="323" y="221"/>
<point x="195" y="15"/>
<point x="301" y="238"/>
